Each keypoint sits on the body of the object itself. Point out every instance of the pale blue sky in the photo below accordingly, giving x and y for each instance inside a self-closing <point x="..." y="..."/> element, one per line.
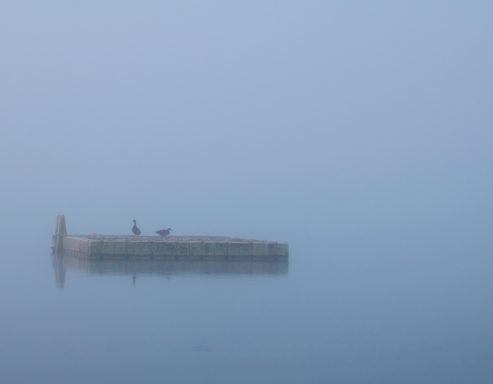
<point x="225" y="106"/>
<point x="359" y="132"/>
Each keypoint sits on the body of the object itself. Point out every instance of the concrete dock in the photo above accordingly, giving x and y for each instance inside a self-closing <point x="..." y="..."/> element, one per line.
<point x="169" y="247"/>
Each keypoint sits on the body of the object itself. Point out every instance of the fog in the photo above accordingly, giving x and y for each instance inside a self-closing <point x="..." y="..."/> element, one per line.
<point x="359" y="133"/>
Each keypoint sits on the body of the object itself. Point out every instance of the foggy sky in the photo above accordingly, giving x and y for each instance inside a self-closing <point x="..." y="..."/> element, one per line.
<point x="358" y="132"/>
<point x="212" y="115"/>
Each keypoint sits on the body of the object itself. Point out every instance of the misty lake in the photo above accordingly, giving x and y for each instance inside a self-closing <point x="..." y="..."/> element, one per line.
<point x="360" y="133"/>
<point x="355" y="310"/>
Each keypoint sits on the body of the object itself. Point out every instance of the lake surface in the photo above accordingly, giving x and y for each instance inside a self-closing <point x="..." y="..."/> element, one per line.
<point x="358" y="132"/>
<point x="375" y="308"/>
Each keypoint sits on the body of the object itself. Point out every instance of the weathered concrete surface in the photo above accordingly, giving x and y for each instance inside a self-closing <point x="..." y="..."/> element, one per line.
<point x="188" y="247"/>
<point x="170" y="247"/>
<point x="158" y="266"/>
<point x="60" y="233"/>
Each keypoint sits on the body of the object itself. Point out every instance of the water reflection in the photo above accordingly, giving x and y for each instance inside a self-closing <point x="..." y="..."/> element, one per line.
<point x="167" y="267"/>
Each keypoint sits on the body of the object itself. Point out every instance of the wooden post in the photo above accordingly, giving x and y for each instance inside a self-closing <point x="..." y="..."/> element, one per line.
<point x="60" y="233"/>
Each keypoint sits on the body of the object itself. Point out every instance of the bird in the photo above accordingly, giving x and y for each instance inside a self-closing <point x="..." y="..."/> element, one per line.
<point x="135" y="229"/>
<point x="164" y="232"/>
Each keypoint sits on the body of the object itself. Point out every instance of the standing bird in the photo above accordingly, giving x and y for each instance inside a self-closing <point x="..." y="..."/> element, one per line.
<point x="163" y="232"/>
<point x="135" y="229"/>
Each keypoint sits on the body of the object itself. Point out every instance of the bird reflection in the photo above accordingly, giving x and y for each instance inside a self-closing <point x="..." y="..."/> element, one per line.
<point x="168" y="267"/>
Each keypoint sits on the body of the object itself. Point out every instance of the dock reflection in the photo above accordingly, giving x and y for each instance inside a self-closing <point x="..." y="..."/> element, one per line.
<point x="165" y="268"/>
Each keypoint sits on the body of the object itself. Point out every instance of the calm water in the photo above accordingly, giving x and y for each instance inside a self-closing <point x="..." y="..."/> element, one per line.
<point x="407" y="309"/>
<point x="358" y="132"/>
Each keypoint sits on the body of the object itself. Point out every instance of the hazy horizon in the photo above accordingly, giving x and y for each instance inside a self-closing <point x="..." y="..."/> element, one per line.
<point x="358" y="133"/>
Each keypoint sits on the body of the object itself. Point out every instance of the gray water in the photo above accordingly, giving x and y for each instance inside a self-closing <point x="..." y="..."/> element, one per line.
<point x="358" y="133"/>
<point x="382" y="306"/>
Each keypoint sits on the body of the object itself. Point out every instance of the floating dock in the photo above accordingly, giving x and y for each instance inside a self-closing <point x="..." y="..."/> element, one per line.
<point x="165" y="248"/>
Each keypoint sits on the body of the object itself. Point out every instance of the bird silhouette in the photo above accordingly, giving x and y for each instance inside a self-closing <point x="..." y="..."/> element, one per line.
<point x="164" y="232"/>
<point x="135" y="229"/>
